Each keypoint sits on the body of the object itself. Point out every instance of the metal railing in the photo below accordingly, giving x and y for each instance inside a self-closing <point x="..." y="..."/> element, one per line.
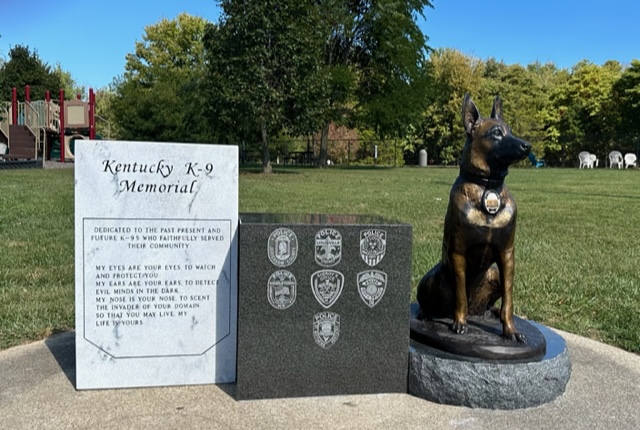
<point x="5" y="117"/>
<point x="30" y="118"/>
<point x="48" y="115"/>
<point x="108" y="124"/>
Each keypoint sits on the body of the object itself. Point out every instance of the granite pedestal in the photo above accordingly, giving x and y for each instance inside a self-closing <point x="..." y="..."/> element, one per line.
<point x="453" y="379"/>
<point x="322" y="305"/>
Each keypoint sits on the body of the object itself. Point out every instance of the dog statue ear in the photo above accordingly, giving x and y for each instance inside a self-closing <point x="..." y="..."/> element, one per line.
<point x="470" y="113"/>
<point x="496" y="112"/>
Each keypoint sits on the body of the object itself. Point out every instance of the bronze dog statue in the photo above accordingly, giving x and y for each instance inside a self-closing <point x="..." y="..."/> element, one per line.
<point x="477" y="264"/>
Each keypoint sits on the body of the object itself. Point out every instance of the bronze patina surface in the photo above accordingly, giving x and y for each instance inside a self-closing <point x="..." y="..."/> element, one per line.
<point x="477" y="266"/>
<point x="483" y="339"/>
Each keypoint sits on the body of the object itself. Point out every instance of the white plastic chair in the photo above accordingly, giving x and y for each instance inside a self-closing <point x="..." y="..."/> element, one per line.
<point x="629" y="160"/>
<point x="594" y="160"/>
<point x="585" y="160"/>
<point x="615" y="159"/>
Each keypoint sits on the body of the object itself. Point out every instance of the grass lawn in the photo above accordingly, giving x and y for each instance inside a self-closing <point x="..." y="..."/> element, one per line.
<point x="577" y="245"/>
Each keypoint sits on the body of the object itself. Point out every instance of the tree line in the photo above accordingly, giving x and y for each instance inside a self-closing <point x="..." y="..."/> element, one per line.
<point x="271" y="73"/>
<point x="275" y="68"/>
<point x="561" y="112"/>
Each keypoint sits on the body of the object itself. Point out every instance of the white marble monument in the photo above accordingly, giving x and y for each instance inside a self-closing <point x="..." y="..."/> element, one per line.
<point x="156" y="263"/>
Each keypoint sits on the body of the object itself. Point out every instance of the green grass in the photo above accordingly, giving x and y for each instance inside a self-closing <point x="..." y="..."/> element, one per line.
<point x="577" y="251"/>
<point x="36" y="243"/>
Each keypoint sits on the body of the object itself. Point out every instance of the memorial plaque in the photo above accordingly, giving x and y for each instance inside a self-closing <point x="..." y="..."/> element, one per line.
<point x="156" y="263"/>
<point x="330" y="323"/>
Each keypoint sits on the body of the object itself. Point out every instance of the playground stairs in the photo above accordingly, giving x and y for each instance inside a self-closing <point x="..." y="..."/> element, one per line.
<point x="22" y="149"/>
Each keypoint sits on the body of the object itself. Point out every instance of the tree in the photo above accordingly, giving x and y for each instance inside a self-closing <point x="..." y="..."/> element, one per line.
<point x="544" y="137"/>
<point x="295" y="67"/>
<point x="68" y="83"/>
<point x="106" y="124"/>
<point x="585" y="116"/>
<point x="525" y="95"/>
<point x="529" y="95"/>
<point x="626" y="98"/>
<point x="159" y="96"/>
<point x="263" y="59"/>
<point x="391" y="87"/>
<point x="451" y="74"/>
<point x="373" y="58"/>
<point x="2" y="61"/>
<point x="25" y="68"/>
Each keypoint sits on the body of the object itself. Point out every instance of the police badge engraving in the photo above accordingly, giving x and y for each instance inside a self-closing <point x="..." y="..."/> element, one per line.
<point x="282" y="247"/>
<point x="326" y="328"/>
<point x="281" y="289"/>
<point x="328" y="250"/>
<point x="491" y="201"/>
<point x="373" y="245"/>
<point x="327" y="286"/>
<point x="371" y="286"/>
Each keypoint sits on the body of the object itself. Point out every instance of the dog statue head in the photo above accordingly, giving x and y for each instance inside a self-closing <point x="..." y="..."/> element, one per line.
<point x="490" y="147"/>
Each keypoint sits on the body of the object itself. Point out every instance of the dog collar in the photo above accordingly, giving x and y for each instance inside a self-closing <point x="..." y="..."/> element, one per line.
<point x="489" y="183"/>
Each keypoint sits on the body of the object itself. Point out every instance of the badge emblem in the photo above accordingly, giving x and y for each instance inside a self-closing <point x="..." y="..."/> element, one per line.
<point x="373" y="245"/>
<point x="371" y="286"/>
<point x="491" y="201"/>
<point x="326" y="328"/>
<point x="327" y="286"/>
<point x="328" y="247"/>
<point x="281" y="289"/>
<point x="282" y="247"/>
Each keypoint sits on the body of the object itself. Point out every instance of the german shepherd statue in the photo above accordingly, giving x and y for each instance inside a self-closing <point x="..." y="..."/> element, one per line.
<point x="477" y="264"/>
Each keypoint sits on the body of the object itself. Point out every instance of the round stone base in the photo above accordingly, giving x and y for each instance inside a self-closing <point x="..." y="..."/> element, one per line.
<point x="451" y="379"/>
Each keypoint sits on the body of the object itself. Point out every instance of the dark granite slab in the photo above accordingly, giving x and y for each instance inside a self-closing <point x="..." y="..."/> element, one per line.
<point x="350" y="335"/>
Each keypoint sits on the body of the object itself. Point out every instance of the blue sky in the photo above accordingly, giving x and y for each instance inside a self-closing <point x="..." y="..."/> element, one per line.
<point x="91" y="38"/>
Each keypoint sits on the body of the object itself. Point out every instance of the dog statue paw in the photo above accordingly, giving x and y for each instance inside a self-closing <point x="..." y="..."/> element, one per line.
<point x="517" y="337"/>
<point x="460" y="327"/>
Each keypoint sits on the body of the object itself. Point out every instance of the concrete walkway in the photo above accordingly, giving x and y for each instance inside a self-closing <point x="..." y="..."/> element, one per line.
<point x="37" y="392"/>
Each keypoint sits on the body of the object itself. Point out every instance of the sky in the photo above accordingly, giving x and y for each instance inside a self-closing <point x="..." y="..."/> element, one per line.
<point x="90" y="38"/>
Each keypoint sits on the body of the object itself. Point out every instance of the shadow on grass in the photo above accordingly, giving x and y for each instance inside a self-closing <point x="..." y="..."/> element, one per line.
<point x="364" y="167"/>
<point x="277" y="170"/>
<point x="591" y="195"/>
<point x="291" y="169"/>
<point x="63" y="349"/>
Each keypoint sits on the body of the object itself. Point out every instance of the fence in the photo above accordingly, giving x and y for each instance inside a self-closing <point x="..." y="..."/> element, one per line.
<point x="303" y="152"/>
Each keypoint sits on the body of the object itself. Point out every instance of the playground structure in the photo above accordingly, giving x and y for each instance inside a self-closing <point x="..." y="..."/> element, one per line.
<point x="34" y="131"/>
